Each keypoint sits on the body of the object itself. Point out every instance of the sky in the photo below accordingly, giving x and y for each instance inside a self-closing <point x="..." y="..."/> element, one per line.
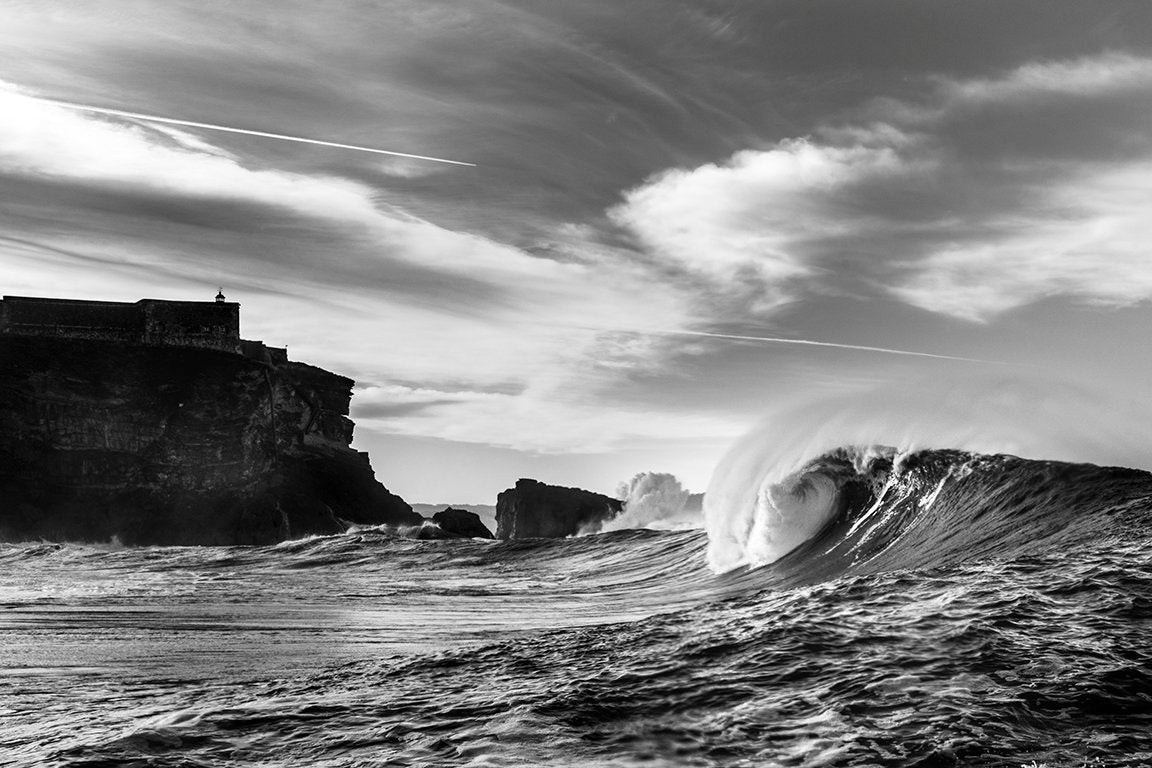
<point x="657" y="190"/>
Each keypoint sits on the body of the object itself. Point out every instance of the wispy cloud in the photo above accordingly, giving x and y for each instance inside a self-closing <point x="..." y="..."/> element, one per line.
<point x="1087" y="237"/>
<point x="537" y="419"/>
<point x="546" y="327"/>
<point x="46" y="140"/>
<point x="915" y="202"/>
<point x="752" y="212"/>
<point x="1093" y="77"/>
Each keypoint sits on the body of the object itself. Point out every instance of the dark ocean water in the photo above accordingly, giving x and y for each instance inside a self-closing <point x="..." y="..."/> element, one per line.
<point x="950" y="609"/>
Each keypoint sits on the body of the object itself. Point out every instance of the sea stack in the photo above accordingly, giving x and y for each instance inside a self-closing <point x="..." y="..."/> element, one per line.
<point x="535" y="510"/>
<point x="463" y="523"/>
<point x="154" y="423"/>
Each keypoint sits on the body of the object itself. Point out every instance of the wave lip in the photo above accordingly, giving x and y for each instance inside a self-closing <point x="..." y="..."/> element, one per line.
<point x="757" y="515"/>
<point x="791" y="512"/>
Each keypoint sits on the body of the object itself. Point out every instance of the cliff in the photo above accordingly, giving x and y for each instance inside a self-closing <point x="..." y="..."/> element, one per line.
<point x="163" y="445"/>
<point x="535" y="510"/>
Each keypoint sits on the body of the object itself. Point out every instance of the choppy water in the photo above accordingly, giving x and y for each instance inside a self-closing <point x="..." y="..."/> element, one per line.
<point x="951" y="610"/>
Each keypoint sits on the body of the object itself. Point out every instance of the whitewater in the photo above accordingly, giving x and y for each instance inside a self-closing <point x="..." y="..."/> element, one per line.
<point x="843" y="601"/>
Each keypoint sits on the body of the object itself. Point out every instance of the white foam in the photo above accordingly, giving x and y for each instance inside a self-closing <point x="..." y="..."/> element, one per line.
<point x="654" y="500"/>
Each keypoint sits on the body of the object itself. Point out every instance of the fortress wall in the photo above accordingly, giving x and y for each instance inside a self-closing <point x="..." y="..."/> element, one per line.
<point x="201" y="324"/>
<point x="192" y="324"/>
<point x="102" y="320"/>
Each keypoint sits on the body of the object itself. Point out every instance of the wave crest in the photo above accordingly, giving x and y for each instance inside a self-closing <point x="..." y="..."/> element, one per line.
<point x="862" y="510"/>
<point x="656" y="501"/>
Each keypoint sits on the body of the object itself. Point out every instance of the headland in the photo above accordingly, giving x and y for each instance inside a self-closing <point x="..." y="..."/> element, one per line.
<point x="154" y="423"/>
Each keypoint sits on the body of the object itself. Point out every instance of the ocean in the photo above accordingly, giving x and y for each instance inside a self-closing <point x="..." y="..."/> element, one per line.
<point x="872" y="608"/>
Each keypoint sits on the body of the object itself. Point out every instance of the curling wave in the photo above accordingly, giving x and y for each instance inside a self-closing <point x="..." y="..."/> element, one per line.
<point x="872" y="509"/>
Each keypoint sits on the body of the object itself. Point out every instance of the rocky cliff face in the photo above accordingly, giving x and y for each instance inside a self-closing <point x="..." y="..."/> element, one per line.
<point x="159" y="445"/>
<point x="535" y="510"/>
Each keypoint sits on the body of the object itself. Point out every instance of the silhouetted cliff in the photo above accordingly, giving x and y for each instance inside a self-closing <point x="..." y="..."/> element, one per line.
<point x="463" y="523"/>
<point x="535" y="510"/>
<point x="161" y="445"/>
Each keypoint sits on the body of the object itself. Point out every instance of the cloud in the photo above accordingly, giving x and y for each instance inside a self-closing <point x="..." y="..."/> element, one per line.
<point x="544" y="330"/>
<point x="1093" y="77"/>
<point x="536" y="419"/>
<point x="754" y="214"/>
<point x="162" y="170"/>
<point x="963" y="202"/>
<point x="48" y="141"/>
<point x="51" y="143"/>
<point x="406" y="168"/>
<point x="1088" y="239"/>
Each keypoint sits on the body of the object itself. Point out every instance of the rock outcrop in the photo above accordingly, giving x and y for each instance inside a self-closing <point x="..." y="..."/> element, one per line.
<point x="535" y="510"/>
<point x="164" y="445"/>
<point x="462" y="523"/>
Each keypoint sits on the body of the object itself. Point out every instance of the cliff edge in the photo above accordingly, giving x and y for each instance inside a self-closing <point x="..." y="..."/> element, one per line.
<point x="177" y="445"/>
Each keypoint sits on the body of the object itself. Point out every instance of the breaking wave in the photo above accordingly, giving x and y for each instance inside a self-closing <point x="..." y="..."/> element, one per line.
<point x="812" y="463"/>
<point x="877" y="509"/>
<point x="656" y="501"/>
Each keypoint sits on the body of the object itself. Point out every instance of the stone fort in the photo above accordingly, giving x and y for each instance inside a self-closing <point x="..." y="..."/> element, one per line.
<point x="149" y="322"/>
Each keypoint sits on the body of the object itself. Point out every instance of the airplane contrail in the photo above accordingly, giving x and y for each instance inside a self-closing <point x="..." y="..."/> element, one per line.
<point x="245" y="131"/>
<point x="810" y="343"/>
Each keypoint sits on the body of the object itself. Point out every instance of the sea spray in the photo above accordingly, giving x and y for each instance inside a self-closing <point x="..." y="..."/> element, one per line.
<point x="657" y="501"/>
